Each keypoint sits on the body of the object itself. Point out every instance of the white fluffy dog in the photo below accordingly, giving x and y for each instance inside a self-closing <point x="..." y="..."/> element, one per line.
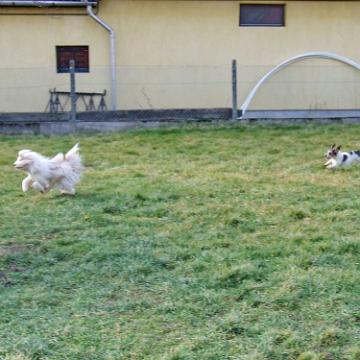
<point x="61" y="172"/>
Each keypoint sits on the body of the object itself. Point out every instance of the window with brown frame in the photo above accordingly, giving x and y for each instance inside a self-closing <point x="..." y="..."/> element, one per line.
<point x="262" y="15"/>
<point x="78" y="53"/>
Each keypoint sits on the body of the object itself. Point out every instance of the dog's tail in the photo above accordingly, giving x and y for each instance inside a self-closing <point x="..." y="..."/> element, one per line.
<point x="74" y="158"/>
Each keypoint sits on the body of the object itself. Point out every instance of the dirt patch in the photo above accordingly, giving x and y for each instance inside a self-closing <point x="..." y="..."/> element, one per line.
<point x="12" y="249"/>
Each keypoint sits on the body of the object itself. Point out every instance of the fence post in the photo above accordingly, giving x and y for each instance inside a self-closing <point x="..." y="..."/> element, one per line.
<point x="72" y="90"/>
<point x="234" y="90"/>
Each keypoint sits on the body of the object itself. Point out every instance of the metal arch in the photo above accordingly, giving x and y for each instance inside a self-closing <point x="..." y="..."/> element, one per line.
<point x="276" y="69"/>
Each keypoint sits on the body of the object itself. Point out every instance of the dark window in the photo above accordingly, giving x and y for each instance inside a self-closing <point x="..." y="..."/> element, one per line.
<point x="78" y="53"/>
<point x="262" y="15"/>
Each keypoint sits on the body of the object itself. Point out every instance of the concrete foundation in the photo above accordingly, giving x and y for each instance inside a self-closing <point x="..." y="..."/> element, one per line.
<point x="93" y="122"/>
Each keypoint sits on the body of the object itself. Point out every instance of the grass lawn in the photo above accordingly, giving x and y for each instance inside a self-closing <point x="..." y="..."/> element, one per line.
<point x="183" y="244"/>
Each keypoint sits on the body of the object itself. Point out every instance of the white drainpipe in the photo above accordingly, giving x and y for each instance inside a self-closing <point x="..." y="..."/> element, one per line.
<point x="112" y="55"/>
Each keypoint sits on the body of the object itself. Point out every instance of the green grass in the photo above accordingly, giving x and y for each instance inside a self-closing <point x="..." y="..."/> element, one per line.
<point x="183" y="244"/>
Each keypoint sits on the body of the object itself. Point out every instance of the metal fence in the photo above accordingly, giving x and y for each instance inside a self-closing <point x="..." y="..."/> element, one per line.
<point x="180" y="89"/>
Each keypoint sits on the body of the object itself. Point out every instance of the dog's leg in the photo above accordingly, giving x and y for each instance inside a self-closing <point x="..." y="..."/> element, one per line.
<point x="66" y="187"/>
<point x="67" y="191"/>
<point x="332" y="166"/>
<point x="37" y="186"/>
<point x="328" y="162"/>
<point x="26" y="183"/>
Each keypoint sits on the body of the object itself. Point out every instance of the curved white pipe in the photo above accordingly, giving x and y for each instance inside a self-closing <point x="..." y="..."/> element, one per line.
<point x="322" y="55"/>
<point x="112" y="55"/>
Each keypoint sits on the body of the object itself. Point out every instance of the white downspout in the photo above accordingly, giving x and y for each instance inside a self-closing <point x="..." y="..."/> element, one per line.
<point x="112" y="55"/>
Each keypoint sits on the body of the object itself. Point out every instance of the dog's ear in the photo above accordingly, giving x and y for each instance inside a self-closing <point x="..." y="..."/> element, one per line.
<point x="58" y="158"/>
<point x="339" y="147"/>
<point x="334" y="146"/>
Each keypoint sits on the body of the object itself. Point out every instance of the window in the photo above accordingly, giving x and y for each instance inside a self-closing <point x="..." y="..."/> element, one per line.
<point x="78" y="53"/>
<point x="262" y="15"/>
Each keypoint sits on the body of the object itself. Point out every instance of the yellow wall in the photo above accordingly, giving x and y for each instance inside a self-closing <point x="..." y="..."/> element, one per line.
<point x="175" y="54"/>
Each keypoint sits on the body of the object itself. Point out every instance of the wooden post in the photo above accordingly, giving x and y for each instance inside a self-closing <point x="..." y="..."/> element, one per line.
<point x="72" y="90"/>
<point x="234" y="90"/>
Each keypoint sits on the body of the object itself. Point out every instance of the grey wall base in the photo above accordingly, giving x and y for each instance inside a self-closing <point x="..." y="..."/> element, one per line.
<point x="90" y="122"/>
<point x="63" y="128"/>
<point x="301" y="114"/>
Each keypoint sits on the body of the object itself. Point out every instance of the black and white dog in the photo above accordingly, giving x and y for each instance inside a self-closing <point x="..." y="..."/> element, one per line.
<point x="336" y="158"/>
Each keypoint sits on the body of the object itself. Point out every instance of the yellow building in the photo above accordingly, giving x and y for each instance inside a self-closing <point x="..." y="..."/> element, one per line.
<point x="177" y="54"/>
